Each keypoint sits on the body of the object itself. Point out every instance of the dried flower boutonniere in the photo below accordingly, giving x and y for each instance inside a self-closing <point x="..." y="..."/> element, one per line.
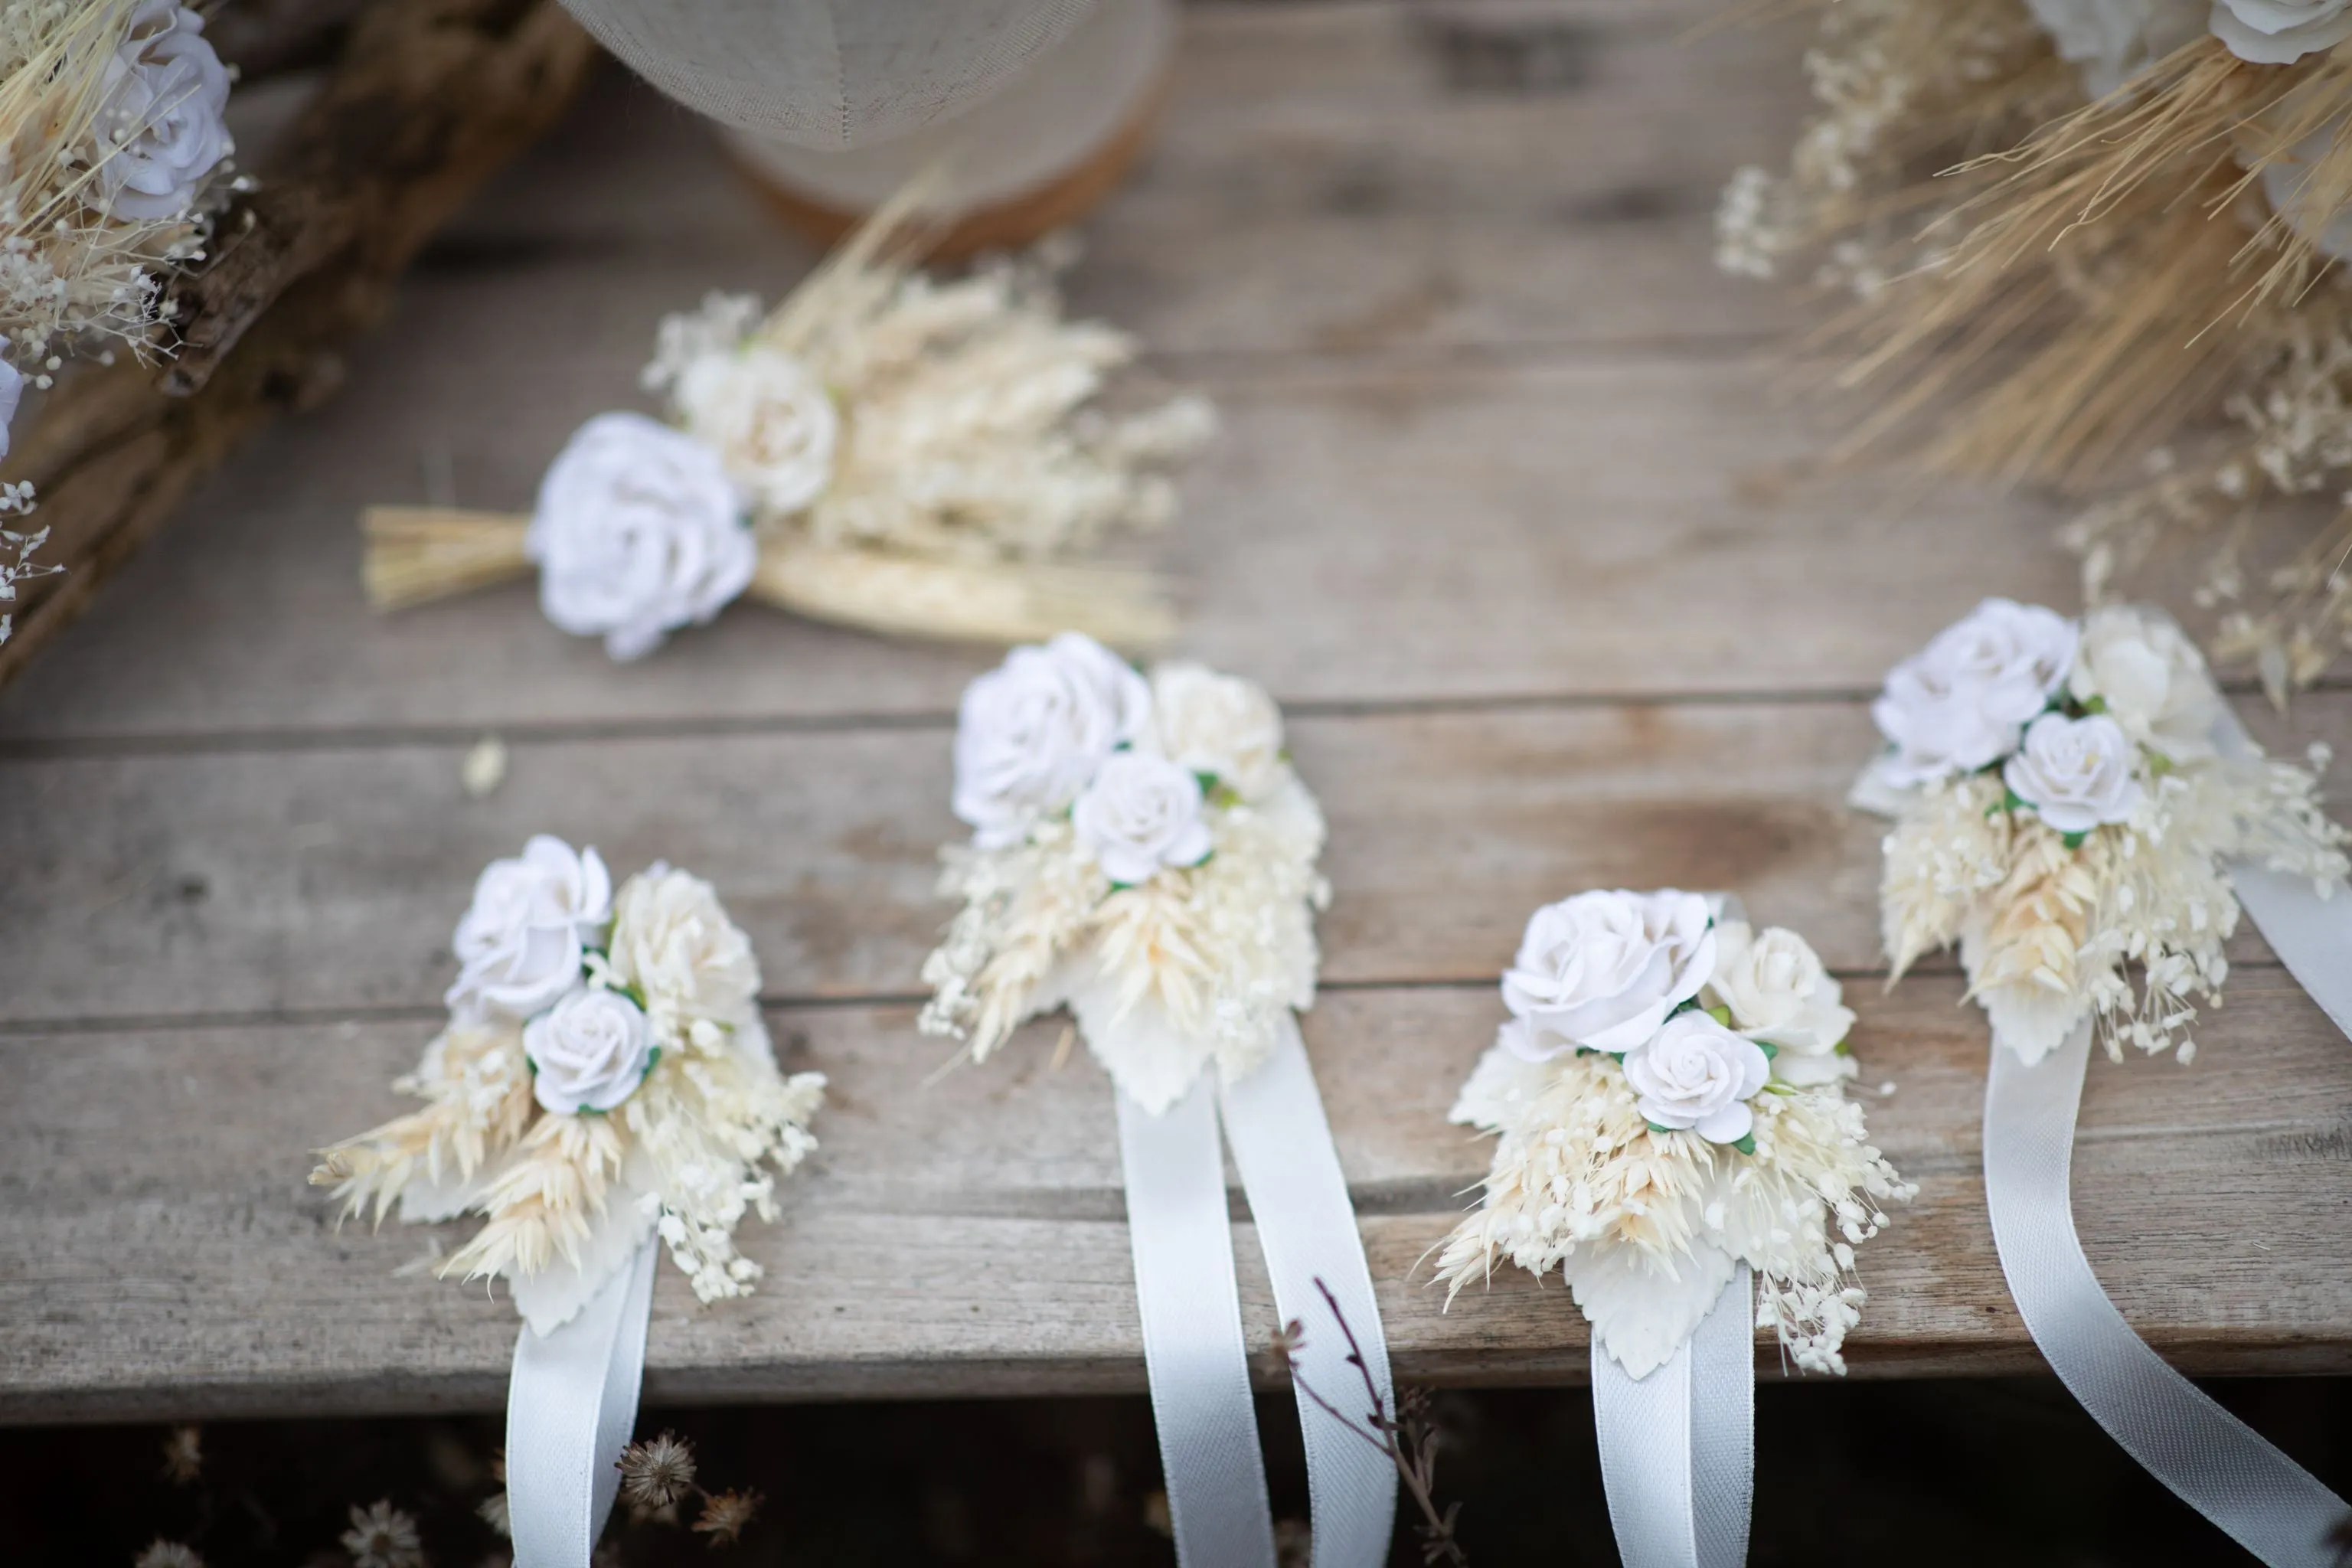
<point x="882" y="451"/>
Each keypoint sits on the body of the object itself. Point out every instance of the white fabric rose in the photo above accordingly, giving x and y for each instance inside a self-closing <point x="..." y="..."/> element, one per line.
<point x="1959" y="703"/>
<point x="1695" y="1074"/>
<point x="588" y="1052"/>
<point x="2114" y="40"/>
<point x="1778" y="994"/>
<point x="1602" y="970"/>
<point x="2280" y="32"/>
<point x="2076" y="773"/>
<point x="1030" y="732"/>
<point x="160" y="124"/>
<point x="1140" y="813"/>
<point x="638" y="532"/>
<point x="2151" y="678"/>
<point x="1218" y="724"/>
<point x="521" y="944"/>
<point x="673" y="942"/>
<point x="770" y="419"/>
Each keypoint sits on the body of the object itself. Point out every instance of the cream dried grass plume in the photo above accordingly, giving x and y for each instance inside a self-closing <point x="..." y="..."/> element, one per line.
<point x="1578" y="1171"/>
<point x="2042" y="288"/>
<point x="976" y="464"/>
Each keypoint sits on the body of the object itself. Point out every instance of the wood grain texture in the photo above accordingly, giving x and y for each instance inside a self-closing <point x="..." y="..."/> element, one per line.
<point x="254" y="880"/>
<point x="969" y="1239"/>
<point x="1493" y="512"/>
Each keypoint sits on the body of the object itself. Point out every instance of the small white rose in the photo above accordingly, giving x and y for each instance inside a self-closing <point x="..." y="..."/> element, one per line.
<point x="1140" y="813"/>
<point x="521" y="944"/>
<point x="2151" y="678"/>
<point x="673" y="942"/>
<point x="2076" y="773"/>
<point x="588" y="1052"/>
<point x="1959" y="703"/>
<point x="1604" y="969"/>
<point x="1777" y="989"/>
<point x="159" y="125"/>
<point x="2280" y="32"/>
<point x="1030" y="732"/>
<point x="638" y="532"/>
<point x="1218" y="724"/>
<point x="768" y="417"/>
<point x="2114" y="40"/>
<point x="1695" y="1074"/>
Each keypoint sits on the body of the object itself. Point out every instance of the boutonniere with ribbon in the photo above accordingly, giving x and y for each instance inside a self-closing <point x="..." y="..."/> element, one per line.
<point x="604" y="1087"/>
<point x="2075" y="805"/>
<point x="1143" y="854"/>
<point x="1673" y="1136"/>
<point x="882" y="451"/>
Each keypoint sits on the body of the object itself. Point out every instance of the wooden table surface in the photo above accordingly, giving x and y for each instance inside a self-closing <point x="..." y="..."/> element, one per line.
<point x="1497" y="514"/>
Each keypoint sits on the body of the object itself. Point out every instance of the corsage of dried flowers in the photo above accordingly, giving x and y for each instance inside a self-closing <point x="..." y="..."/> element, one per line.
<point x="604" y="1077"/>
<point x="1669" y="1094"/>
<point x="2066" y="798"/>
<point x="1142" y="851"/>
<point x="882" y="451"/>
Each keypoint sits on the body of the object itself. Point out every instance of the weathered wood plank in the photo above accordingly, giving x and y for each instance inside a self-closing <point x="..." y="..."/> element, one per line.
<point x="161" y="1256"/>
<point x="1497" y="501"/>
<point x="251" y="882"/>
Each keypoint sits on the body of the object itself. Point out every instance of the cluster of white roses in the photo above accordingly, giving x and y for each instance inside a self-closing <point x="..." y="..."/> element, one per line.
<point x="1669" y="1097"/>
<point x="1141" y="850"/>
<point x="642" y="528"/>
<point x="2065" y="809"/>
<point x="605" y="1075"/>
<point x="116" y="114"/>
<point x="1070" y="726"/>
<point x="1702" y="1013"/>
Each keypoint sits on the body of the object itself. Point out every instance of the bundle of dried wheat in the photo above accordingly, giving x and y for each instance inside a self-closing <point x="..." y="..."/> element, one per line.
<point x="2093" y="245"/>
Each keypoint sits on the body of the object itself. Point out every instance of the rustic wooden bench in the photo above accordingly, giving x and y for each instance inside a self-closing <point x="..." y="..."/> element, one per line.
<point x="1498" y="515"/>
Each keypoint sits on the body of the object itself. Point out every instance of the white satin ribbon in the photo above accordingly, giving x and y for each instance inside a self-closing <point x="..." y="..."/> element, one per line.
<point x="1193" y="1348"/>
<point x="1678" y="1447"/>
<point x="1307" y="1228"/>
<point x="572" y="1402"/>
<point x="2210" y="1459"/>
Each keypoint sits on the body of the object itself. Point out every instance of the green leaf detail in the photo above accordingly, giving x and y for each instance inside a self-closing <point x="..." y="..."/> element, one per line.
<point x="1747" y="1145"/>
<point x="1841" y="1049"/>
<point x="2074" y="841"/>
<point x="1769" y="1049"/>
<point x="1720" y="1014"/>
<point x="2094" y="705"/>
<point x="1656" y="1128"/>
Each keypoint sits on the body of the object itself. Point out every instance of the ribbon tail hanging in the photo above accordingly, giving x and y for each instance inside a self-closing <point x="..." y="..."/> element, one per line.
<point x="572" y="1404"/>
<point x="1307" y="1227"/>
<point x="1678" y="1447"/>
<point x="2210" y="1459"/>
<point x="1192" y="1348"/>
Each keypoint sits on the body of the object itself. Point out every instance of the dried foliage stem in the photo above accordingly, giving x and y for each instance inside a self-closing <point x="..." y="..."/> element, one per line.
<point x="1405" y="1436"/>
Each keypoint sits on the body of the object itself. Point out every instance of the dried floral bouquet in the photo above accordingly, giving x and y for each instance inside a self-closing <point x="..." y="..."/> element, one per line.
<point x="1669" y="1100"/>
<point x="2093" y="246"/>
<point x="883" y="451"/>
<point x="113" y="162"/>
<point x="604" y="1077"/>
